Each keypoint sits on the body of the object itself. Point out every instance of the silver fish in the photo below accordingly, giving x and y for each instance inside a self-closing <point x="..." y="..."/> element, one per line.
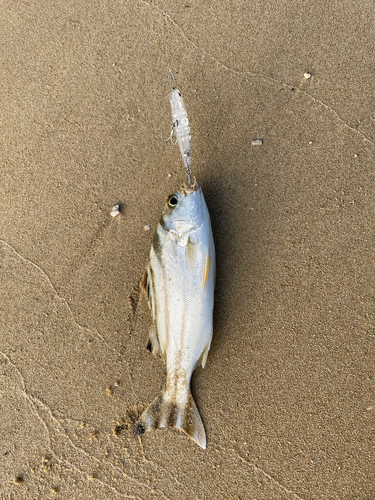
<point x="180" y="287"/>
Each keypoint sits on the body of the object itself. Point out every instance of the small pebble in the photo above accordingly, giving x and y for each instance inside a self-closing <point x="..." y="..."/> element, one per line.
<point x="115" y="210"/>
<point x="169" y="175"/>
<point x="257" y="142"/>
<point x="147" y="227"/>
<point x="307" y="76"/>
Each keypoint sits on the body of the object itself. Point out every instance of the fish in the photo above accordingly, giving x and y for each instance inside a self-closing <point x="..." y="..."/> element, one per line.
<point x="180" y="283"/>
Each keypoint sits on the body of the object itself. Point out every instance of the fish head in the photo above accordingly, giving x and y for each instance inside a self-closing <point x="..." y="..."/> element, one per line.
<point x="184" y="209"/>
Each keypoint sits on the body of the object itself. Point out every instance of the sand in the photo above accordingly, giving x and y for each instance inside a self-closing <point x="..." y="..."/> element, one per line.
<point x="287" y="395"/>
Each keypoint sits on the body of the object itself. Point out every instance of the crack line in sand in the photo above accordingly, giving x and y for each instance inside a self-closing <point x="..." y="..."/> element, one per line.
<point x="257" y="469"/>
<point x="59" y="298"/>
<point x="268" y="476"/>
<point x="258" y="75"/>
<point x="26" y="395"/>
<point x="90" y="457"/>
<point x="64" y="301"/>
<point x="31" y="401"/>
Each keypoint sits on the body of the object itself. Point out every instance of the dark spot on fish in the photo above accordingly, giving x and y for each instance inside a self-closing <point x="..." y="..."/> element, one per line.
<point x="188" y="417"/>
<point x="153" y="294"/>
<point x="172" y="418"/>
<point x="156" y="243"/>
<point x="162" y="222"/>
<point x="138" y="429"/>
<point x="149" y="346"/>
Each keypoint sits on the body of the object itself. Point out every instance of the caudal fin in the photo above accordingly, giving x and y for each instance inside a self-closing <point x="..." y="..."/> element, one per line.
<point x="163" y="412"/>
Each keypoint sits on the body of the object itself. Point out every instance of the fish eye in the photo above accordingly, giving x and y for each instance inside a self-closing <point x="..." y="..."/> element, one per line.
<point x="173" y="200"/>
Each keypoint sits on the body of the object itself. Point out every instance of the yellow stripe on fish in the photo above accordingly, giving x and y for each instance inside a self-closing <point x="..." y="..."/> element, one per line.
<point x="206" y="270"/>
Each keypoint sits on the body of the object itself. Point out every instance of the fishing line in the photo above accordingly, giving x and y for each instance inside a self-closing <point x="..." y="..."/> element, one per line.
<point x="180" y="131"/>
<point x="171" y="77"/>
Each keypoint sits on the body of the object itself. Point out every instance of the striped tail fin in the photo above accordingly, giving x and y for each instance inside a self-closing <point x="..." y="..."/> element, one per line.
<point x="163" y="412"/>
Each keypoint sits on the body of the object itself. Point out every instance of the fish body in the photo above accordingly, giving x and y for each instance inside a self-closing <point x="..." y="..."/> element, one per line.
<point x="180" y="288"/>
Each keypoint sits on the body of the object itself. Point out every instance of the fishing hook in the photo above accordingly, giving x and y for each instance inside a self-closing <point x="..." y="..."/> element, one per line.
<point x="172" y="137"/>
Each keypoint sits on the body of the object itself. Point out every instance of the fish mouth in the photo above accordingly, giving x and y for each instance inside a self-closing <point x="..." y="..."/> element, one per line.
<point x="189" y="187"/>
<point x="186" y="190"/>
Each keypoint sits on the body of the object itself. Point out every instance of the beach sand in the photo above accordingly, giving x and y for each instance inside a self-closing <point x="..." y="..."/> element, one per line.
<point x="287" y="395"/>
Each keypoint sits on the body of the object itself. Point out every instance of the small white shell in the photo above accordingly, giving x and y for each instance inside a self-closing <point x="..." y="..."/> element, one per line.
<point x="147" y="227"/>
<point x="257" y="142"/>
<point x="307" y="76"/>
<point x="115" y="210"/>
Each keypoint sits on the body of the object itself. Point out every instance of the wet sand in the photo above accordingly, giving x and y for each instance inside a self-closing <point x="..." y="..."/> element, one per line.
<point x="287" y="395"/>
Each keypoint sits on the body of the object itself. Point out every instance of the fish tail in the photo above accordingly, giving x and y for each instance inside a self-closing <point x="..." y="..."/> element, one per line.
<point x="163" y="412"/>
